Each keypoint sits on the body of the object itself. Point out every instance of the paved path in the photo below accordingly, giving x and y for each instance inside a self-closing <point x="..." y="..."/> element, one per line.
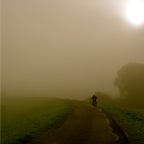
<point x="86" y="126"/>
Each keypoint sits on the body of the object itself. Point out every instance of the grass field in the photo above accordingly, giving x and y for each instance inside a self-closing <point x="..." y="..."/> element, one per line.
<point x="23" y="118"/>
<point x="131" y="120"/>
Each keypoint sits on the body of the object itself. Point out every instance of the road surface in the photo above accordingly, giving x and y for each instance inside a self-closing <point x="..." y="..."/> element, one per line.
<point x="86" y="126"/>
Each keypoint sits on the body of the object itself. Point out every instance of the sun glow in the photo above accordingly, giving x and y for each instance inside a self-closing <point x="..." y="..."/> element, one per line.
<point x="135" y="11"/>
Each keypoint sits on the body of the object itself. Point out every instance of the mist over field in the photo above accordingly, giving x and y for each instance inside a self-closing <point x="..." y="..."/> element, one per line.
<point x="66" y="49"/>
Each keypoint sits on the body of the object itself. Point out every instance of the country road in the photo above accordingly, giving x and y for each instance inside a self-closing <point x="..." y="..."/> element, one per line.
<point x="86" y="126"/>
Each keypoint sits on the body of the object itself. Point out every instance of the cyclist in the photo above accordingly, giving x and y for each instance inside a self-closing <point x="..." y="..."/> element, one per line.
<point x="94" y="98"/>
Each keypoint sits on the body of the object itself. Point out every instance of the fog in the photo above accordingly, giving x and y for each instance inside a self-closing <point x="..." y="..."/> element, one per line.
<point x="68" y="49"/>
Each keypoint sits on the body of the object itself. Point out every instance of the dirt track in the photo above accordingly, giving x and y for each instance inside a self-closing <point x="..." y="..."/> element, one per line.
<point x="85" y="126"/>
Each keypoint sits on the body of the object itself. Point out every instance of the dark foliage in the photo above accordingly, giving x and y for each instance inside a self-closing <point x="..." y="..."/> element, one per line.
<point x="130" y="81"/>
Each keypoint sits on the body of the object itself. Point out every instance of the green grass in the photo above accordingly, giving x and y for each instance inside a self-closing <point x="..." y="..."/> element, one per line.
<point x="132" y="120"/>
<point x="23" y="118"/>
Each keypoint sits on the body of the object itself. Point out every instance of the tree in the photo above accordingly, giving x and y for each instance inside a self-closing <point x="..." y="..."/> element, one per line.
<point x="103" y="97"/>
<point x="130" y="81"/>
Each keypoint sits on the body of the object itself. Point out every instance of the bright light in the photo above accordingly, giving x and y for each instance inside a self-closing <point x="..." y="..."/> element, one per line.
<point x="135" y="11"/>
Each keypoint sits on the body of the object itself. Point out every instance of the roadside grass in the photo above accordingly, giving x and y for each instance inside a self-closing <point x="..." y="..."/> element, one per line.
<point x="23" y="118"/>
<point x="131" y="120"/>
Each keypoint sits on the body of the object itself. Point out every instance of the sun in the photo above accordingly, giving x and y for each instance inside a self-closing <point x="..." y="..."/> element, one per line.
<point x="135" y="11"/>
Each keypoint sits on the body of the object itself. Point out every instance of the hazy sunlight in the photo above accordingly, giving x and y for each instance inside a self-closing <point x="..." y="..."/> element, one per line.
<point x="135" y="11"/>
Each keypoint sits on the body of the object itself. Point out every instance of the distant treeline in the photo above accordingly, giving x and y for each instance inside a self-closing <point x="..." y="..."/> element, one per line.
<point x="130" y="82"/>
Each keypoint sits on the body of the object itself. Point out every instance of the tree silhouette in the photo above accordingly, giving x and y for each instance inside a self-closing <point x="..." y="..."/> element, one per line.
<point x="130" y="81"/>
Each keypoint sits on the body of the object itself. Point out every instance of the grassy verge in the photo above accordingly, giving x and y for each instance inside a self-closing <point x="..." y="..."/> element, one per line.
<point x="130" y="119"/>
<point x="23" y="118"/>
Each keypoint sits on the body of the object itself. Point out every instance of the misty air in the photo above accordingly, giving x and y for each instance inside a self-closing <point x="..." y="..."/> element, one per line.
<point x="72" y="72"/>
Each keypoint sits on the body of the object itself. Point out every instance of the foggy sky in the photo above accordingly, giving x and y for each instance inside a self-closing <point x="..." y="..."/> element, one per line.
<point x="66" y="48"/>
